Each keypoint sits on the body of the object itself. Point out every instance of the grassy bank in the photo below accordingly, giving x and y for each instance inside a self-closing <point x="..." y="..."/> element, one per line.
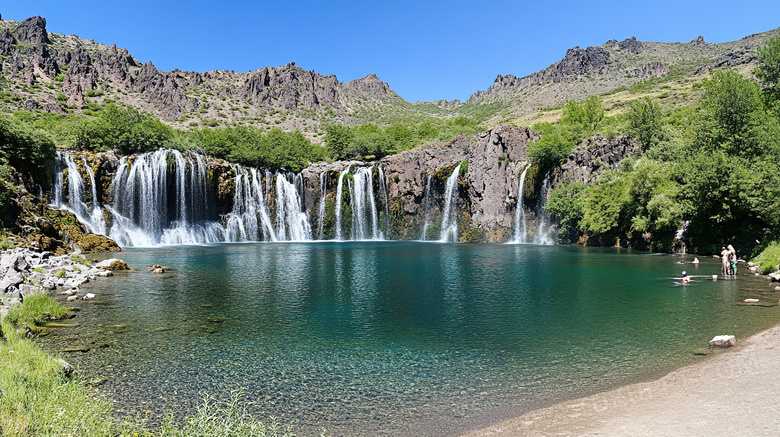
<point x="769" y="258"/>
<point x="40" y="395"/>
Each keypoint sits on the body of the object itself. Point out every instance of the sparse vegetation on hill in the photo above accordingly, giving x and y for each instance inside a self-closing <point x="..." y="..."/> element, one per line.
<point x="714" y="163"/>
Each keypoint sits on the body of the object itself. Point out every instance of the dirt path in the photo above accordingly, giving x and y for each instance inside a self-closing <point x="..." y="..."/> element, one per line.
<point x="736" y="393"/>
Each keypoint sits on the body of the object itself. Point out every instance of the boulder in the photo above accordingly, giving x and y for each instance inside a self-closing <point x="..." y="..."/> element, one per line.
<point x="14" y="277"/>
<point x="723" y="341"/>
<point x="112" y="264"/>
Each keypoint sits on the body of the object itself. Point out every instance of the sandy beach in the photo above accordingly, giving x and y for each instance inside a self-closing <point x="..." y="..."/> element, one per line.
<point x="735" y="393"/>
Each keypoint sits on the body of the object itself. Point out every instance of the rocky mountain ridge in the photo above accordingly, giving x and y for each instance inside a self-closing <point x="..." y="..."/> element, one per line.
<point x="53" y="72"/>
<point x="44" y="65"/>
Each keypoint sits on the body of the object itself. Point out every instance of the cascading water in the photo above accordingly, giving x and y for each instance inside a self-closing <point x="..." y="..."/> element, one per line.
<point x="339" y="193"/>
<point x="383" y="195"/>
<point x="248" y="205"/>
<point x="163" y="198"/>
<point x="323" y="193"/>
<point x="76" y="202"/>
<point x="449" y="223"/>
<point x="292" y="222"/>
<point x="365" y="219"/>
<point x="520" y="224"/>
<point x="543" y="234"/>
<point x="428" y="203"/>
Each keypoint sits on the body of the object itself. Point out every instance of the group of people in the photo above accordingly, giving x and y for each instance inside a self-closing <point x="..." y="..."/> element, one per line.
<point x="727" y="255"/>
<point x="729" y="258"/>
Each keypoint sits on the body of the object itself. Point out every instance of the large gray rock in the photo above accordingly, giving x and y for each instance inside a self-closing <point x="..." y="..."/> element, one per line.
<point x="495" y="164"/>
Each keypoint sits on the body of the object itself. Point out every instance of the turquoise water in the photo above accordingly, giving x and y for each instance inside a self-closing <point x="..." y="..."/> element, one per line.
<point x="397" y="338"/>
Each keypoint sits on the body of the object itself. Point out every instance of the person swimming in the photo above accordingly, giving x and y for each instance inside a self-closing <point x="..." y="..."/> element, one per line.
<point x="685" y="278"/>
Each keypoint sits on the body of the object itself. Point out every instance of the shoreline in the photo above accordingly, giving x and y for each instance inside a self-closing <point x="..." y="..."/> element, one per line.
<point x="730" y="394"/>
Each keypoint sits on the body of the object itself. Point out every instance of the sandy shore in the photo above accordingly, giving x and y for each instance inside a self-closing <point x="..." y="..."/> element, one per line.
<point x="736" y="393"/>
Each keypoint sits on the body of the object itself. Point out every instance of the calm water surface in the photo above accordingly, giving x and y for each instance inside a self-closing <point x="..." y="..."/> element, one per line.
<point x="397" y="338"/>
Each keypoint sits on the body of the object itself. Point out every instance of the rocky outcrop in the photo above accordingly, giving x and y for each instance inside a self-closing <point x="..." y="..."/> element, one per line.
<point x="593" y="60"/>
<point x="631" y="45"/>
<point x="594" y="155"/>
<point x="495" y="163"/>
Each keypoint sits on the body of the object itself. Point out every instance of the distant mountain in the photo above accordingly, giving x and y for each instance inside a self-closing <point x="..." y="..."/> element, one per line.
<point x="45" y="65"/>
<point x="59" y="73"/>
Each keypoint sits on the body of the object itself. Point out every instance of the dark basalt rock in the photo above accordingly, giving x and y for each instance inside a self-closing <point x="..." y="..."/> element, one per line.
<point x="631" y="45"/>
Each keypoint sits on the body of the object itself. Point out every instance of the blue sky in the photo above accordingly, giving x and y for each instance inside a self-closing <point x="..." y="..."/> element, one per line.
<point x="425" y="50"/>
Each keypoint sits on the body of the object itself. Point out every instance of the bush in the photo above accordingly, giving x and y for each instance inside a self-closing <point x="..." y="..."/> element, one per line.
<point x="769" y="258"/>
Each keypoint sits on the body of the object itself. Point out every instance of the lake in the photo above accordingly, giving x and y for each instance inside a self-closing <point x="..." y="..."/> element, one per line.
<point x="397" y="338"/>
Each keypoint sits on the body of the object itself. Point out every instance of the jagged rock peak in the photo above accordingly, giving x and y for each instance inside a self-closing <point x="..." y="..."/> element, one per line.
<point x="699" y="41"/>
<point x="33" y="31"/>
<point x="631" y="45"/>
<point x="371" y="84"/>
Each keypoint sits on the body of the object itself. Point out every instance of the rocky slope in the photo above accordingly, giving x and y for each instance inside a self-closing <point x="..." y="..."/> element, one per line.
<point x="55" y="72"/>
<point x="58" y="73"/>
<point x="615" y="66"/>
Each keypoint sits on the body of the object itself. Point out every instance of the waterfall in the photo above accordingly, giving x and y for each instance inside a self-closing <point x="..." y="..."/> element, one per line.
<point x="449" y="221"/>
<point x="543" y="234"/>
<point x="365" y="219"/>
<point x="292" y="222"/>
<point x="249" y="205"/>
<point x="427" y="201"/>
<point x="339" y="192"/>
<point x="383" y="195"/>
<point x="520" y="224"/>
<point x="76" y="202"/>
<point x="323" y="193"/>
<point x="145" y="215"/>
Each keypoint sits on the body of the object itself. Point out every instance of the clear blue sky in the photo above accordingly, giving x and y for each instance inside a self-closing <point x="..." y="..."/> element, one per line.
<point x="425" y="50"/>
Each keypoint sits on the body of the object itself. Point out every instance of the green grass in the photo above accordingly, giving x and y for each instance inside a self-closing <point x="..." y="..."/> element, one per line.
<point x="35" y="312"/>
<point x="39" y="399"/>
<point x="769" y="258"/>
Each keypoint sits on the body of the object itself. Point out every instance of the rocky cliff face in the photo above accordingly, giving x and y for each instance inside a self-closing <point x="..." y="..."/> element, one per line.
<point x="594" y="155"/>
<point x="54" y="63"/>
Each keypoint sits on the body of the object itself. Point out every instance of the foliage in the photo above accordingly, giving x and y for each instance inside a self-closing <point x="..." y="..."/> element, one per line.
<point x="732" y="111"/>
<point x="231" y="418"/>
<point x="769" y="258"/>
<point x="23" y="146"/>
<point x="579" y="120"/>
<point x="644" y="117"/>
<point x="252" y="147"/>
<point x="768" y="72"/>
<point x="346" y="142"/>
<point x="566" y="203"/>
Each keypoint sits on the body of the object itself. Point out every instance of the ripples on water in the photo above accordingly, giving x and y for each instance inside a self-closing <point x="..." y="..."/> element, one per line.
<point x="390" y="338"/>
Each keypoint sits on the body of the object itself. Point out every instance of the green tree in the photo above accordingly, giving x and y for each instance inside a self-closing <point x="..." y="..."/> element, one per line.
<point x="768" y="71"/>
<point x="567" y="204"/>
<point x="338" y="139"/>
<point x="730" y="106"/>
<point x="644" y="121"/>
<point x="584" y="117"/>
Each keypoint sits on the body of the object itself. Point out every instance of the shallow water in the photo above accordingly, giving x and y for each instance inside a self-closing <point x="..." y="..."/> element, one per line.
<point x="397" y="338"/>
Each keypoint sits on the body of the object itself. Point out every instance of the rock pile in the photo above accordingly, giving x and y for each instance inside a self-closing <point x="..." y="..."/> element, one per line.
<point x="25" y="272"/>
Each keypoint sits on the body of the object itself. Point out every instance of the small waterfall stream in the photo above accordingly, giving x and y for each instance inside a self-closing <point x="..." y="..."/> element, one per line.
<point x="543" y="234"/>
<point x="427" y="201"/>
<point x="520" y="224"/>
<point x="339" y="194"/>
<point x="449" y="223"/>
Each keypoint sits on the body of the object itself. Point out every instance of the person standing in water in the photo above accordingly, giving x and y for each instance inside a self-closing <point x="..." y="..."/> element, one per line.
<point x="724" y="257"/>
<point x="732" y="260"/>
<point x="685" y="278"/>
